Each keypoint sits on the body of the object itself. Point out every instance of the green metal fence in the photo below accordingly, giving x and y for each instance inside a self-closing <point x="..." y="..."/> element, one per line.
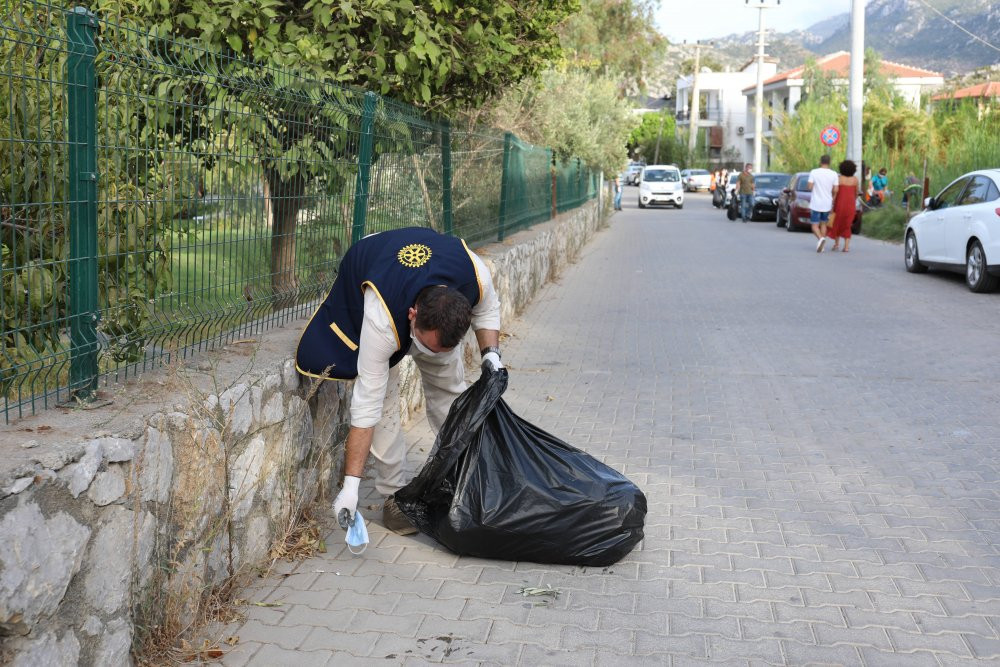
<point x="158" y="198"/>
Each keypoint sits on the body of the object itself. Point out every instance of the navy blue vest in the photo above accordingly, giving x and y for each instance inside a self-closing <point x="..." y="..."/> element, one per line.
<point x="396" y="264"/>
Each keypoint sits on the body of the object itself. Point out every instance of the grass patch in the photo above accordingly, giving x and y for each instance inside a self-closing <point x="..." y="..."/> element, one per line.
<point x="886" y="223"/>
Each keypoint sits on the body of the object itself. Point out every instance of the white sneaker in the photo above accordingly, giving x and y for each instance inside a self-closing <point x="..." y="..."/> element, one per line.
<point x="820" y="244"/>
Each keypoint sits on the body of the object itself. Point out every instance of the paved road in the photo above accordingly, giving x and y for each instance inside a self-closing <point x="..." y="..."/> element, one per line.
<point x="817" y="436"/>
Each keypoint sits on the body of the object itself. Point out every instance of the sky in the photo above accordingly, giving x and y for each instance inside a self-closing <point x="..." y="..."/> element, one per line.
<point x="684" y="19"/>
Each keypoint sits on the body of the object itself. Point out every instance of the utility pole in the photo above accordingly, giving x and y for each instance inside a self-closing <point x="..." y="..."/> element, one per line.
<point x="856" y="95"/>
<point x="656" y="153"/>
<point x="758" y="119"/>
<point x="695" y="103"/>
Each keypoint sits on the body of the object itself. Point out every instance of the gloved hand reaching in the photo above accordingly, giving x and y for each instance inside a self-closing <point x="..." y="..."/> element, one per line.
<point x="493" y="359"/>
<point x="347" y="499"/>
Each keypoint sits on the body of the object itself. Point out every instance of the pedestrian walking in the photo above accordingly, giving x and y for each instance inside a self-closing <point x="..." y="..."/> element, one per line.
<point x="746" y="190"/>
<point x="880" y="187"/>
<point x="408" y="291"/>
<point x="822" y="182"/>
<point x="618" y="193"/>
<point x="845" y="203"/>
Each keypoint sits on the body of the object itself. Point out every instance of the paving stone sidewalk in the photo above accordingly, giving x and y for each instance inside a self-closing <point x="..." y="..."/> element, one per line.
<point x="817" y="438"/>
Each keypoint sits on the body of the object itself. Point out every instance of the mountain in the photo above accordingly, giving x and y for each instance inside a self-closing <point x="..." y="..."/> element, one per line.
<point x="910" y="32"/>
<point x="827" y="27"/>
<point x="904" y="31"/>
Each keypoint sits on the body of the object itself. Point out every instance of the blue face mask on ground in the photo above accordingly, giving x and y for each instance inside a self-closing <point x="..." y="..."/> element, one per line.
<point x="357" y="535"/>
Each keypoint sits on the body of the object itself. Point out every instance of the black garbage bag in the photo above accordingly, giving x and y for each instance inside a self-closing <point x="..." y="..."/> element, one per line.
<point x="496" y="486"/>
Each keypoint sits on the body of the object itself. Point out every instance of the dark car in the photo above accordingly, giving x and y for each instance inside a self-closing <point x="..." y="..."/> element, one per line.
<point x="767" y="188"/>
<point x="793" y="205"/>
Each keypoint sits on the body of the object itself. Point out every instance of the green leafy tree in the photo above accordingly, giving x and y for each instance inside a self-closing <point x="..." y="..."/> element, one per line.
<point x="574" y="113"/>
<point x="705" y="61"/>
<point x="441" y="56"/>
<point x="133" y="237"/>
<point x="655" y="139"/>
<point x="617" y="39"/>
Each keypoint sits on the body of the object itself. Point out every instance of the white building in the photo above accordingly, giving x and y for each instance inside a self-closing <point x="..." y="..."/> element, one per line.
<point x="722" y="108"/>
<point x="783" y="91"/>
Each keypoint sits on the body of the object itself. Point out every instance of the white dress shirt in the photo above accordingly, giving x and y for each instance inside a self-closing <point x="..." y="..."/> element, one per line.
<point x="378" y="343"/>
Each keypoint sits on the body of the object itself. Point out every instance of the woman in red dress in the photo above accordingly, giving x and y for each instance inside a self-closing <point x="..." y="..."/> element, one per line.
<point x="844" y="204"/>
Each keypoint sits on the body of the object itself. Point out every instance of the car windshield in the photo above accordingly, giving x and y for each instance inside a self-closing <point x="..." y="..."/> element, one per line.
<point x="661" y="176"/>
<point x="699" y="172"/>
<point x="770" y="180"/>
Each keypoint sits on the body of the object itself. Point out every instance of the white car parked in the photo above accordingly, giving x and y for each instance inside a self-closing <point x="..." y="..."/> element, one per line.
<point x="696" y="179"/>
<point x="959" y="230"/>
<point x="661" y="184"/>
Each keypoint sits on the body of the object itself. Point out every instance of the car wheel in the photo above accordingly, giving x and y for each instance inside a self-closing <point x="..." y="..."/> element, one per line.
<point x="912" y="255"/>
<point x="778" y="221"/>
<point x="680" y="206"/>
<point x="789" y="226"/>
<point x="976" y="276"/>
<point x="641" y="205"/>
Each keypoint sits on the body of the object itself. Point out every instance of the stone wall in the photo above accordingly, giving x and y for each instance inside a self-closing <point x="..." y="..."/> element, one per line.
<point x="117" y="519"/>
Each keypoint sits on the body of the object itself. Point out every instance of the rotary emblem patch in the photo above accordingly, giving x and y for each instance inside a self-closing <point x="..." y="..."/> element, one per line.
<point x="414" y="255"/>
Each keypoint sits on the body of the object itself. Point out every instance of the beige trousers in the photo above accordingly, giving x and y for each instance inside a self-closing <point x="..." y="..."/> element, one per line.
<point x="443" y="379"/>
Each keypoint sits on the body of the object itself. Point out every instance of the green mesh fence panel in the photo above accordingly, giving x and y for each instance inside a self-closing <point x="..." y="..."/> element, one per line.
<point x="527" y="196"/>
<point x="571" y="186"/>
<point x="158" y="198"/>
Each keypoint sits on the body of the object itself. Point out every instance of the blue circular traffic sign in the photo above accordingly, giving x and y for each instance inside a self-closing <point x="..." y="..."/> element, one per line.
<point x="830" y="135"/>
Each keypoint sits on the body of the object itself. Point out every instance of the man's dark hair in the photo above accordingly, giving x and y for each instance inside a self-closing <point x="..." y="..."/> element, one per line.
<point x="446" y="311"/>
<point x="847" y="168"/>
<point x="824" y="159"/>
<point x="882" y="171"/>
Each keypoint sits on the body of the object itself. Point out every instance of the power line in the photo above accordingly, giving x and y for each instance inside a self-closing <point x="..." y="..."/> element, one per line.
<point x="955" y="23"/>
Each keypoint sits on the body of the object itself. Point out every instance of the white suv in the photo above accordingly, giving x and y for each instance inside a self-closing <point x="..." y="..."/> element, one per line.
<point x="661" y="184"/>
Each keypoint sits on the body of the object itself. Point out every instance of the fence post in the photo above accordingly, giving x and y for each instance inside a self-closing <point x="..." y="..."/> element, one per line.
<point x="508" y="140"/>
<point x="579" y="184"/>
<point x="446" y="178"/>
<point x="552" y="183"/>
<point x="363" y="183"/>
<point x="555" y="185"/>
<point x="81" y="98"/>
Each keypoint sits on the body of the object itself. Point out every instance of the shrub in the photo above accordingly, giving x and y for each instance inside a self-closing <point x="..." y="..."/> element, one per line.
<point x="886" y="223"/>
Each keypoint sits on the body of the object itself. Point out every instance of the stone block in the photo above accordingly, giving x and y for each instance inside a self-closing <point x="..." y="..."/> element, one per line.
<point x="289" y="376"/>
<point x="115" y="644"/>
<point x="80" y="474"/>
<point x="237" y="410"/>
<point x="117" y="450"/>
<point x="156" y="466"/>
<point x="122" y="548"/>
<point x="46" y="650"/>
<point x="107" y="487"/>
<point x="38" y="558"/>
<point x="245" y="476"/>
<point x="21" y="484"/>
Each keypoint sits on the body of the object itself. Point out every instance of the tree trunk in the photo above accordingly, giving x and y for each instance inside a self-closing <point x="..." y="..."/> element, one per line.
<point x="428" y="207"/>
<point x="285" y="200"/>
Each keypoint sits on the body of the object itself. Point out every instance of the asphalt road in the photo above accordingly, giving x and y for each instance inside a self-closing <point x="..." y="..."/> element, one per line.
<point x="817" y="436"/>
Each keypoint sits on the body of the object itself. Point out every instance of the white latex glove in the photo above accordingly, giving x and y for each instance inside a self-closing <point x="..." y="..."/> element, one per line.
<point x="347" y="498"/>
<point x="493" y="359"/>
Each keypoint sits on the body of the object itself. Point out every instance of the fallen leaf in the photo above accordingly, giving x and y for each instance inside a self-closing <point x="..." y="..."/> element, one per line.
<point x="267" y="604"/>
<point x="550" y="398"/>
<point x="322" y="547"/>
<point x="233" y="641"/>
